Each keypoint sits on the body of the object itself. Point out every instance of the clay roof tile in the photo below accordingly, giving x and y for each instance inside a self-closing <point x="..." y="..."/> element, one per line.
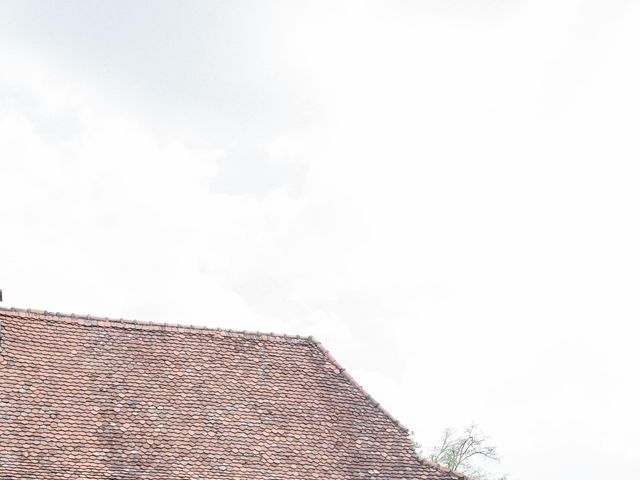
<point x="104" y="399"/>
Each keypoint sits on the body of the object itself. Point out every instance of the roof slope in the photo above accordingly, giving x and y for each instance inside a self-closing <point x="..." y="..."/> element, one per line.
<point x="98" y="399"/>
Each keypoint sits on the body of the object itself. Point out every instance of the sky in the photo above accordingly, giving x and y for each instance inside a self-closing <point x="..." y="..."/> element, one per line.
<point x="444" y="193"/>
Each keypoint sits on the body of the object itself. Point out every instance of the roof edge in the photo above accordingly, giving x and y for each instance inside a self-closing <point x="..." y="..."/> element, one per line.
<point x="404" y="430"/>
<point x="94" y="321"/>
<point x="359" y="387"/>
<point x="443" y="469"/>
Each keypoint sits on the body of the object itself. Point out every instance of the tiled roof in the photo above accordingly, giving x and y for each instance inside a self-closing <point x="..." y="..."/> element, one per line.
<point x="88" y="398"/>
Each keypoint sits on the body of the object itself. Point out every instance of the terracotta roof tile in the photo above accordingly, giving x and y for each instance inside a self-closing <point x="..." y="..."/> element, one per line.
<point x="89" y="398"/>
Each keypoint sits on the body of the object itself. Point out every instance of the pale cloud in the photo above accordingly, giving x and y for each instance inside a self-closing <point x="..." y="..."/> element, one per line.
<point x="445" y="195"/>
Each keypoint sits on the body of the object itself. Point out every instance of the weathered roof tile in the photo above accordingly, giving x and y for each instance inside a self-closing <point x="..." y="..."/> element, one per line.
<point x="99" y="399"/>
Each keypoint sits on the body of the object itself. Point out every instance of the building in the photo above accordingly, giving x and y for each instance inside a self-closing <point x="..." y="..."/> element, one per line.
<point x="88" y="398"/>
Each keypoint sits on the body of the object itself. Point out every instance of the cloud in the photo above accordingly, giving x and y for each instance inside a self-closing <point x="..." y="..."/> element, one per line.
<point x="444" y="195"/>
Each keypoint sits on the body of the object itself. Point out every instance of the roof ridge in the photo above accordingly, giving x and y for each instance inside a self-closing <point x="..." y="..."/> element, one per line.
<point x="90" y="320"/>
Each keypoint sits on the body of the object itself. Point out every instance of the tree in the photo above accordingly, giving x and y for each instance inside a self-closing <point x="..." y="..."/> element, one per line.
<point x="464" y="452"/>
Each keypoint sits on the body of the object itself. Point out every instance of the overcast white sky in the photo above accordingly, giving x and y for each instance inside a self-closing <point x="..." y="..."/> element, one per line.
<point x="445" y="193"/>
